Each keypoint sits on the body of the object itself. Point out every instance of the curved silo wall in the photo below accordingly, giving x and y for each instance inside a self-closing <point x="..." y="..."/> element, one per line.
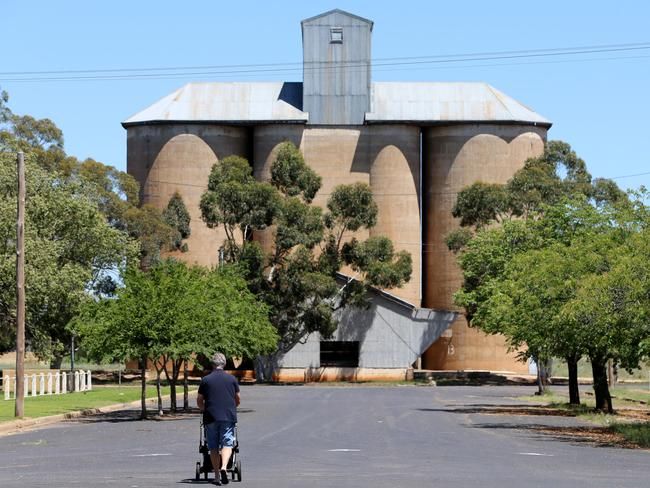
<point x="395" y="180"/>
<point x="266" y="143"/>
<point x="453" y="158"/>
<point x="386" y="157"/>
<point x="178" y="158"/>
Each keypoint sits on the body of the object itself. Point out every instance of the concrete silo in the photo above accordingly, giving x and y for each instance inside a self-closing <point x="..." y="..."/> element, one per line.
<point x="454" y="157"/>
<point x="416" y="144"/>
<point x="173" y="144"/>
<point x="178" y="158"/>
<point x="395" y="180"/>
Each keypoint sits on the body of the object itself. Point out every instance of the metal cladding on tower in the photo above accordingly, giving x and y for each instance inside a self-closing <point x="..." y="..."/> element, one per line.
<point x="415" y="144"/>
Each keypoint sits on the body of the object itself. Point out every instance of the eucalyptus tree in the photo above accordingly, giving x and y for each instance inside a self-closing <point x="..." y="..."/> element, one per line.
<point x="297" y="275"/>
<point x="70" y="247"/>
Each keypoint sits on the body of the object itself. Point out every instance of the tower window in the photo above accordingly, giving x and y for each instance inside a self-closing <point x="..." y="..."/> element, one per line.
<point x="336" y="35"/>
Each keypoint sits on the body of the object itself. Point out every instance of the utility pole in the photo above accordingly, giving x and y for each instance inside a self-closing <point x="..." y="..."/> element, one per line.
<point x="20" y="290"/>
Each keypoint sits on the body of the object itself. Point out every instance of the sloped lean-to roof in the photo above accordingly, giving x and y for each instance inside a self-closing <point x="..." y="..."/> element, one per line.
<point x="438" y="102"/>
<point x="255" y="102"/>
<point x="227" y="102"/>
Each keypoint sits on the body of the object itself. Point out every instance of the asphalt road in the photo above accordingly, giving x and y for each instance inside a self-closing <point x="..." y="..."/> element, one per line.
<point x="320" y="436"/>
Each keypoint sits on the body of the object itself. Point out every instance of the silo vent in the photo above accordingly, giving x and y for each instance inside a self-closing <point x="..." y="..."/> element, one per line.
<point x="336" y="35"/>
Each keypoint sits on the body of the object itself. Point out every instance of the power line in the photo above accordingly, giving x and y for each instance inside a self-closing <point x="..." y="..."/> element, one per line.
<point x="527" y="52"/>
<point x="628" y="176"/>
<point x="277" y="68"/>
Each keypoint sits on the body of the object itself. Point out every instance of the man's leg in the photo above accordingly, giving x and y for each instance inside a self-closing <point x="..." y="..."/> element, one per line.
<point x="227" y="443"/>
<point x="216" y="460"/>
<point x="225" y="456"/>
<point x="213" y="437"/>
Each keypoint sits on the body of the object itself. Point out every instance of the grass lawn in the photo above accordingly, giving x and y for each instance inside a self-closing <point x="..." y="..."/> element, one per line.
<point x="584" y="371"/>
<point x="100" y="396"/>
<point x="630" y="427"/>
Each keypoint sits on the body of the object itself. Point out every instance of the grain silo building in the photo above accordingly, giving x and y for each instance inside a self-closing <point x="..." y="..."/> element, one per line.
<point x="415" y="144"/>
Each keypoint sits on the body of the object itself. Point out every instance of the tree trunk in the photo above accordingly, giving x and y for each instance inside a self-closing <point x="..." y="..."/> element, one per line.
<point x="265" y="368"/>
<point x="574" y="391"/>
<point x="176" y="366"/>
<point x="543" y="367"/>
<point x="158" y="392"/>
<point x="56" y="362"/>
<point x="186" y="398"/>
<point x="612" y="372"/>
<point x="143" y="393"/>
<point x="601" y="388"/>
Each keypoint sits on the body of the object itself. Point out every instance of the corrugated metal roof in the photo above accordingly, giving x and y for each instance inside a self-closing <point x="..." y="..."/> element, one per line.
<point x="227" y="102"/>
<point x="430" y="102"/>
<point x="255" y="102"/>
<point x="339" y="12"/>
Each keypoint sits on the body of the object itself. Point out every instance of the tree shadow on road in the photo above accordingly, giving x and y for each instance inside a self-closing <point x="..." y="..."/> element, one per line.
<point x="593" y="435"/>
<point x="120" y="416"/>
<point x="192" y="481"/>
<point x="504" y="409"/>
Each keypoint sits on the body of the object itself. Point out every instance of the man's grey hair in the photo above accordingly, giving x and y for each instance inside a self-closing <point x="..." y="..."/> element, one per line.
<point x="218" y="360"/>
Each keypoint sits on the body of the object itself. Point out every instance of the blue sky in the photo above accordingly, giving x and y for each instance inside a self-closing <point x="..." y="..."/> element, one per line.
<point x="599" y="103"/>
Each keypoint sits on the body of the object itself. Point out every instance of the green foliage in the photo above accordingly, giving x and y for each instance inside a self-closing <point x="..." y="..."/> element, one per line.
<point x="480" y="204"/>
<point x="5" y="113"/>
<point x="638" y="433"/>
<point x="70" y="248"/>
<point x="177" y="311"/>
<point x="178" y="218"/>
<point x="458" y="239"/>
<point x="549" y="282"/>
<point x="298" y="224"/>
<point x="377" y="259"/>
<point x="82" y="226"/>
<point x="540" y="182"/>
<point x="556" y="175"/>
<point x="576" y="284"/>
<point x="298" y="278"/>
<point x="351" y="207"/>
<point x="291" y="175"/>
<point x="238" y="202"/>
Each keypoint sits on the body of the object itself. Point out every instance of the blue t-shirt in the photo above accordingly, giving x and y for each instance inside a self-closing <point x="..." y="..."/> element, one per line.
<point x="218" y="390"/>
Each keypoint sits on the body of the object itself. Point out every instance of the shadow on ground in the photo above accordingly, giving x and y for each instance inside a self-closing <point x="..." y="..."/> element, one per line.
<point x="134" y="415"/>
<point x="597" y="436"/>
<point x="492" y="409"/>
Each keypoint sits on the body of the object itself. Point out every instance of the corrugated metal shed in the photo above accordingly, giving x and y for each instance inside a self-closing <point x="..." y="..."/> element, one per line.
<point x="227" y="102"/>
<point x="430" y="102"/>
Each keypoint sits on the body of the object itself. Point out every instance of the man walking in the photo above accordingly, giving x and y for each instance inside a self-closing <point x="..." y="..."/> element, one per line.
<point x="218" y="399"/>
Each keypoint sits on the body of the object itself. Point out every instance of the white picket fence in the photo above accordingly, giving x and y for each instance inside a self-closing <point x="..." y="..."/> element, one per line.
<point x="57" y="383"/>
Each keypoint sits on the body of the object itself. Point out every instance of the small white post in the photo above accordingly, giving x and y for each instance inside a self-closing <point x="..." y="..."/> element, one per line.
<point x="26" y="383"/>
<point x="82" y="381"/>
<point x="49" y="383"/>
<point x="64" y="383"/>
<point x="34" y="390"/>
<point x="6" y="386"/>
<point x="57" y="383"/>
<point x="15" y="381"/>
<point x="89" y="383"/>
<point x="76" y="381"/>
<point x="41" y="384"/>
